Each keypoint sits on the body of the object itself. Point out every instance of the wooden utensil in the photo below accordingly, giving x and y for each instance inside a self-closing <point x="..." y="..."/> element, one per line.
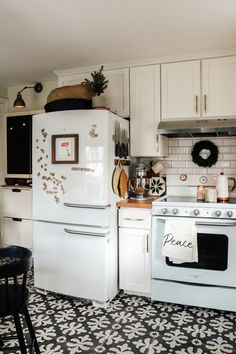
<point x="116" y="178"/>
<point x="123" y="181"/>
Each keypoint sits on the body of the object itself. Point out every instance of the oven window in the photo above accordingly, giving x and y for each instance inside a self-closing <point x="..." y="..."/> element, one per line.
<point x="212" y="253"/>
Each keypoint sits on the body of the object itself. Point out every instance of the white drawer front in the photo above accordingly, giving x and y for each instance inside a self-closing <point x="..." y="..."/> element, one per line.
<point x="17" y="203"/>
<point x="135" y="218"/>
<point x="17" y="232"/>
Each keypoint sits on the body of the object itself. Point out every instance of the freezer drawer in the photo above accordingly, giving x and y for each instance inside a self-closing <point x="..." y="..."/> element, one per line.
<point x="71" y="261"/>
<point x="17" y="232"/>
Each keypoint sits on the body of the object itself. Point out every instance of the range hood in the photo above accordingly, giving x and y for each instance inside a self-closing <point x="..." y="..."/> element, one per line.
<point x="198" y="128"/>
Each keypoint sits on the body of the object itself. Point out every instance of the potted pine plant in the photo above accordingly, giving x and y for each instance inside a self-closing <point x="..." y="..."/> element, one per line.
<point x="97" y="84"/>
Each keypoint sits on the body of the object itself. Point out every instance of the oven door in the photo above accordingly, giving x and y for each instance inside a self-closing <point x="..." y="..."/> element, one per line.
<point x="216" y="254"/>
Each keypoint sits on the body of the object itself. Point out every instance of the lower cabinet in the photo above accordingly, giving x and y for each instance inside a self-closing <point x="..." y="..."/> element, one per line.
<point x="16" y="224"/>
<point x="134" y="251"/>
<point x="17" y="231"/>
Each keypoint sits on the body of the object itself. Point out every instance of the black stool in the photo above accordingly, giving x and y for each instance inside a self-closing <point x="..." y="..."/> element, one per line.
<point x="15" y="262"/>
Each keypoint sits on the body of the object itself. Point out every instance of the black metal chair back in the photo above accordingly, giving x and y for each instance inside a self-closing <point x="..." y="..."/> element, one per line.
<point x="15" y="262"/>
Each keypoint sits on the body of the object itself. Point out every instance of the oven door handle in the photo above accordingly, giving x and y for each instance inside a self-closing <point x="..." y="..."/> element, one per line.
<point x="206" y="223"/>
<point x="216" y="224"/>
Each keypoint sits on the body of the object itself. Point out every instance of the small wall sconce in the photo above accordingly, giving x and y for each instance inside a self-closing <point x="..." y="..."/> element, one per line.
<point x="19" y="102"/>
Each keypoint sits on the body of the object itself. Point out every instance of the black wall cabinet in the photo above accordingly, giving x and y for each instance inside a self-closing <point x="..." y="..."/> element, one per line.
<point x="19" y="144"/>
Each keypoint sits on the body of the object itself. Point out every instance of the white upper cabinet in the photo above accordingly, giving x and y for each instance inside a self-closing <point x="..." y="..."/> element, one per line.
<point x="199" y="89"/>
<point x="145" y="112"/>
<point x="219" y="87"/>
<point x="117" y="92"/>
<point x="180" y="90"/>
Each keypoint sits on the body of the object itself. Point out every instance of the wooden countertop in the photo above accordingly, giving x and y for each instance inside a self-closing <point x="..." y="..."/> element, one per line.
<point x="132" y="203"/>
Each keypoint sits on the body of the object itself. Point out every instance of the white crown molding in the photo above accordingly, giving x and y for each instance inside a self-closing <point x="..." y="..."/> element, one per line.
<point x="23" y="113"/>
<point x="148" y="61"/>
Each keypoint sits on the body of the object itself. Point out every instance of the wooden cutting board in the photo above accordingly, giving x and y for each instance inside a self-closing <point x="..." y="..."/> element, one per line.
<point x="116" y="178"/>
<point x="123" y="181"/>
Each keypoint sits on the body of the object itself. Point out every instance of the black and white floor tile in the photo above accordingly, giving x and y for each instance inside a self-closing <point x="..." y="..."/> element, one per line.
<point x="129" y="325"/>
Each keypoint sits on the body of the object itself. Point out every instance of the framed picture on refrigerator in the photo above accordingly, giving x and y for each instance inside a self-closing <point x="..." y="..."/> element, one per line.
<point x="65" y="148"/>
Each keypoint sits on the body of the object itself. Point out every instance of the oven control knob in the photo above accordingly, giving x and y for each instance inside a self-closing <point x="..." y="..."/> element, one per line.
<point x="218" y="213"/>
<point x="196" y="212"/>
<point x="229" y="214"/>
<point x="164" y="211"/>
<point x="175" y="211"/>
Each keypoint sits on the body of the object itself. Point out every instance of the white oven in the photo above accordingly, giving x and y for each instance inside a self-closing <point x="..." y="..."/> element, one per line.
<point x="210" y="282"/>
<point x="216" y="254"/>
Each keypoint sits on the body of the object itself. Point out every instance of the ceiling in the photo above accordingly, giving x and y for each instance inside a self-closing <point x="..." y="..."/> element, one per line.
<point x="37" y="37"/>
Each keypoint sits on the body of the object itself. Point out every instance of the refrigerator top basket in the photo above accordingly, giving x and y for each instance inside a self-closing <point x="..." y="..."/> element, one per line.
<point x="68" y="104"/>
<point x="72" y="91"/>
<point x="68" y="98"/>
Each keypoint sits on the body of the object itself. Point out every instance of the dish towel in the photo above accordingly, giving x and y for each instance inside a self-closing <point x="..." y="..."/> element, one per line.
<point x="180" y="240"/>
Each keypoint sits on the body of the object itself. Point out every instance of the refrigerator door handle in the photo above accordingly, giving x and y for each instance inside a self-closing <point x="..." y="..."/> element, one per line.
<point x="85" y="233"/>
<point x="70" y="205"/>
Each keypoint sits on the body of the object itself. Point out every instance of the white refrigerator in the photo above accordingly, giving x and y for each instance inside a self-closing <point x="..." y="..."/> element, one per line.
<point x="74" y="207"/>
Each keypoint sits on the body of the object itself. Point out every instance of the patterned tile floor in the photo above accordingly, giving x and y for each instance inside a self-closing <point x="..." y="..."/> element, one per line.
<point x="130" y="325"/>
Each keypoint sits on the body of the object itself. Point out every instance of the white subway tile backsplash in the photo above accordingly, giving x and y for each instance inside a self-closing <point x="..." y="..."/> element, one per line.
<point x="178" y="164"/>
<point x="171" y="171"/>
<point x="185" y="157"/>
<point x="222" y="164"/>
<point x="180" y="159"/>
<point x="172" y="157"/>
<point x="188" y="150"/>
<point x="233" y="149"/>
<point x="232" y="163"/>
<point x="230" y="171"/>
<point x="229" y="141"/>
<point x="217" y="141"/>
<point x="176" y="150"/>
<point x="166" y="163"/>
<point x="190" y="164"/>
<point x="187" y="171"/>
<point x="185" y="142"/>
<point x="225" y="149"/>
<point x="199" y="171"/>
<point x="230" y="157"/>
<point x="214" y="171"/>
<point x="173" y="142"/>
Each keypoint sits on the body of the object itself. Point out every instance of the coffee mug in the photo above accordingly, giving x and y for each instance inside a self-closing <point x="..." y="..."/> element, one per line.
<point x="210" y="194"/>
<point x="157" y="167"/>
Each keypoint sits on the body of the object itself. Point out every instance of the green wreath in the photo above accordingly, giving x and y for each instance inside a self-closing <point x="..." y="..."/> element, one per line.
<point x="205" y="145"/>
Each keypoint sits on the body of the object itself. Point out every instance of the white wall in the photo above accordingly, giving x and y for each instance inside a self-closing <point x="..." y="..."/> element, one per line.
<point x="3" y="92"/>
<point x="33" y="100"/>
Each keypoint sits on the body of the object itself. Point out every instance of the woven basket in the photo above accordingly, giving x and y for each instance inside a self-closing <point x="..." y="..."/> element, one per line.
<point x="73" y="91"/>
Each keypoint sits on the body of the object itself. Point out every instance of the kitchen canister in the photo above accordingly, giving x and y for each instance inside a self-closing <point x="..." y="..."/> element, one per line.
<point x="211" y="194"/>
<point x="200" y="192"/>
<point x="223" y="188"/>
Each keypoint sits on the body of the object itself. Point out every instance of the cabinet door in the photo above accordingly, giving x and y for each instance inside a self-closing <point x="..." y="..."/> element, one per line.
<point x="17" y="202"/>
<point x="117" y="92"/>
<point x="144" y="110"/>
<point x="134" y="257"/>
<point x="17" y="232"/>
<point x="219" y="87"/>
<point x="180" y="90"/>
